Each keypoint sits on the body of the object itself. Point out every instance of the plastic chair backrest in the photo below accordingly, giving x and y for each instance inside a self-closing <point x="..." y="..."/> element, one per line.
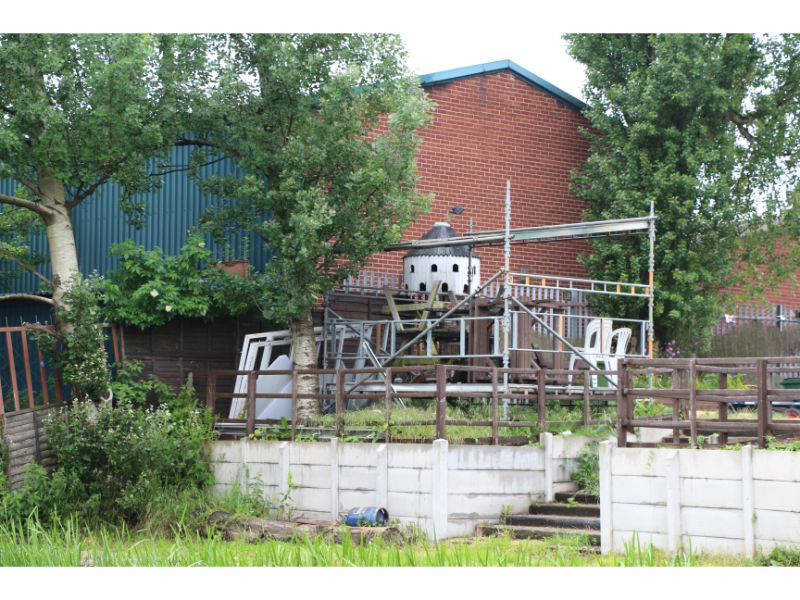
<point x="598" y="336"/>
<point x="623" y="337"/>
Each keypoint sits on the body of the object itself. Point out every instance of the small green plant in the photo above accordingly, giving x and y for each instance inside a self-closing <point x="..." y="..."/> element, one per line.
<point x="587" y="472"/>
<point x="780" y="556"/>
<point x="282" y="431"/>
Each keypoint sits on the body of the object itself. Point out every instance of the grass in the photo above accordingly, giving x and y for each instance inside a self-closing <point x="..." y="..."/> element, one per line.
<point x="370" y="423"/>
<point x="68" y="545"/>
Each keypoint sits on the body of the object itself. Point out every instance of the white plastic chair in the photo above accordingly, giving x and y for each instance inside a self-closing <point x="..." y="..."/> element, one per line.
<point x="597" y="338"/>
<point x="610" y="361"/>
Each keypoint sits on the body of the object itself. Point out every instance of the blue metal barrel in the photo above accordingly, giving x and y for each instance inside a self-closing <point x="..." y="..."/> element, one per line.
<point x="372" y="516"/>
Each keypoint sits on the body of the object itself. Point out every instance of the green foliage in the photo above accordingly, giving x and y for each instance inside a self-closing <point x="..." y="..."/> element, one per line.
<point x="780" y="557"/>
<point x="587" y="471"/>
<point x="704" y="126"/>
<point x="115" y="460"/>
<point x="150" y="289"/>
<point x="87" y="109"/>
<point x="16" y="227"/>
<point x="786" y="445"/>
<point x="325" y="134"/>
<point x="78" y="351"/>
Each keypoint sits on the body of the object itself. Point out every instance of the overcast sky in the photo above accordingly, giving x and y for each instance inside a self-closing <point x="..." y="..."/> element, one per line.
<point x="544" y="54"/>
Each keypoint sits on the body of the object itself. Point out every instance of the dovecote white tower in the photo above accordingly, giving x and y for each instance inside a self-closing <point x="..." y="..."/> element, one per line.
<point x="448" y="264"/>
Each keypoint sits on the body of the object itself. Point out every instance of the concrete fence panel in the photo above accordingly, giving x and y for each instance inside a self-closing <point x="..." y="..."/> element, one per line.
<point x="444" y="489"/>
<point x="719" y="501"/>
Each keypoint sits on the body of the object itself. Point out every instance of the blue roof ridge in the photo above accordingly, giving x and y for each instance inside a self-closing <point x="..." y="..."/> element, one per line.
<point x="503" y="65"/>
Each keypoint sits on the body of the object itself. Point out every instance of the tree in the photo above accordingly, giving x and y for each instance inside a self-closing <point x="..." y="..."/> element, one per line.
<point x="323" y="129"/>
<point x="79" y="111"/>
<point x="706" y="127"/>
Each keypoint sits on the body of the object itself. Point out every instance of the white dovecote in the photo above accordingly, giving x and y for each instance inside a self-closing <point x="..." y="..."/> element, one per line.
<point x="448" y="264"/>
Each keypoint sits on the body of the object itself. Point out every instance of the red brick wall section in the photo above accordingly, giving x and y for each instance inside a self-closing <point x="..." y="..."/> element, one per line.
<point x="488" y="128"/>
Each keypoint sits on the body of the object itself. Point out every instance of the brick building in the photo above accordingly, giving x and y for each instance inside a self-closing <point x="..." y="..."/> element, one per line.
<point x="492" y="122"/>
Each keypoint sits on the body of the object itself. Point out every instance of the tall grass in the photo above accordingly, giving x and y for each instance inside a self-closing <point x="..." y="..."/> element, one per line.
<point x="65" y="543"/>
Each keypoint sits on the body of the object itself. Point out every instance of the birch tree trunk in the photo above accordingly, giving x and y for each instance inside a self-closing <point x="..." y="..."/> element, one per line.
<point x="304" y="347"/>
<point x="60" y="236"/>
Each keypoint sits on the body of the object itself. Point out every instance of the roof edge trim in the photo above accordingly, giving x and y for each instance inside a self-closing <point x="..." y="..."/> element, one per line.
<point x="503" y="65"/>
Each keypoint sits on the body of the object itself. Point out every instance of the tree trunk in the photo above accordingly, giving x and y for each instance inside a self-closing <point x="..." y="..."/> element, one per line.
<point x="60" y="237"/>
<point x="304" y="347"/>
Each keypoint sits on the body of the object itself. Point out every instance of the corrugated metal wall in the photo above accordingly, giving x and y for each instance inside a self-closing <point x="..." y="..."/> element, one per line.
<point x="172" y="210"/>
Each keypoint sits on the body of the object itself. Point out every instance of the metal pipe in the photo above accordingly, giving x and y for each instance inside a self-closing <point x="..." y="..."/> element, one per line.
<point x="564" y="340"/>
<point x="506" y="296"/>
<point x="651" y="268"/>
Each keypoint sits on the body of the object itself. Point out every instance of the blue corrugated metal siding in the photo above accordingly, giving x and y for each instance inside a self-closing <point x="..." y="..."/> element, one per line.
<point x="172" y="210"/>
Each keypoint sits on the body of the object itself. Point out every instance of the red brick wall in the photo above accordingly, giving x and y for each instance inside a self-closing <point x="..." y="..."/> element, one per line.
<point x="487" y="128"/>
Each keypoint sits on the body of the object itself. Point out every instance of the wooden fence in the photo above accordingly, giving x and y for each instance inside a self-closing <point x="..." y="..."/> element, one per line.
<point x="580" y="393"/>
<point x="684" y="384"/>
<point x="23" y="432"/>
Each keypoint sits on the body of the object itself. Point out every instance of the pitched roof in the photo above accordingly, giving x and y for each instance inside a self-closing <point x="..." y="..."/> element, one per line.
<point x="440" y="231"/>
<point x="503" y="65"/>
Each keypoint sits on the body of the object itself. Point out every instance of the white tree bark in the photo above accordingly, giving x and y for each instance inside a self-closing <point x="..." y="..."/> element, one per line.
<point x="60" y="236"/>
<point x="304" y="347"/>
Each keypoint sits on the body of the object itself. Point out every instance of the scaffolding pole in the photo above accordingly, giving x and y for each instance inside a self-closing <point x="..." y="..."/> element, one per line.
<point x="506" y="297"/>
<point x="651" y="274"/>
<point x="430" y="326"/>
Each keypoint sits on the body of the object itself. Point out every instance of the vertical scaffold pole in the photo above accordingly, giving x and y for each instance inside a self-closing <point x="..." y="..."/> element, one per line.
<point x="651" y="269"/>
<point x="507" y="296"/>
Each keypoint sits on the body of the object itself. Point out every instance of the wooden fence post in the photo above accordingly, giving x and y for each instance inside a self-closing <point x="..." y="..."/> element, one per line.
<point x="211" y="391"/>
<point x="676" y="407"/>
<point x="587" y="408"/>
<point x="495" y="429"/>
<point x="723" y="407"/>
<point x="251" y="402"/>
<point x="622" y="411"/>
<point x="693" y="401"/>
<point x="441" y="401"/>
<point x="339" y="403"/>
<point x="388" y="397"/>
<point x="762" y="401"/>
<point x="542" y="400"/>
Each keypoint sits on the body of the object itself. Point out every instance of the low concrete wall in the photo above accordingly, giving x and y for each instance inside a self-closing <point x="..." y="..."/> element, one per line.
<point x="721" y="501"/>
<point x="445" y="489"/>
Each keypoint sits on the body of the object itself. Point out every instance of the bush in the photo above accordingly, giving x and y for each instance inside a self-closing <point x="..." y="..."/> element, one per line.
<point x="116" y="460"/>
<point x="78" y="351"/>
<point x="587" y="474"/>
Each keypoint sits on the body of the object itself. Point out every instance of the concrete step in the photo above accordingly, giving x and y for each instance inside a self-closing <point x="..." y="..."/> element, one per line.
<point x="580" y="498"/>
<point x="523" y="532"/>
<point x="555" y="521"/>
<point x="567" y="509"/>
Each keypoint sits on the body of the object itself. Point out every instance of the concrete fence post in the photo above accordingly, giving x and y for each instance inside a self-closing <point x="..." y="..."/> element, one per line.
<point x="674" y="502"/>
<point x="547" y="444"/>
<point x="606" y="525"/>
<point x="283" y="467"/>
<point x="748" y="511"/>
<point x="334" y="462"/>
<point x="439" y="488"/>
<point x="382" y="476"/>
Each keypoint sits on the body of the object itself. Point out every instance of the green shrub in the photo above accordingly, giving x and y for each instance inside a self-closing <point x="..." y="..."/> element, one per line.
<point x="150" y="288"/>
<point x="117" y="459"/>
<point x="79" y="351"/>
<point x="587" y="473"/>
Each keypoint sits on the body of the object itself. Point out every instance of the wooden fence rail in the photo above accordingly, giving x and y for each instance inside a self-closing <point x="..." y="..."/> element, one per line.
<point x="579" y="392"/>
<point x="689" y="384"/>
